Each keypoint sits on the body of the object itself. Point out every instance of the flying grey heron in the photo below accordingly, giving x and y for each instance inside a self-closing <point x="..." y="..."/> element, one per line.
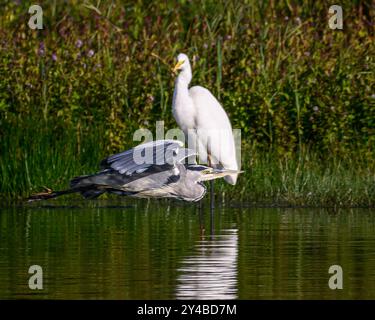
<point x="157" y="169"/>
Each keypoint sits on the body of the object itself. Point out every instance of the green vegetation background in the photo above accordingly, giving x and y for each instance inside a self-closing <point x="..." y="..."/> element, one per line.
<point x="302" y="94"/>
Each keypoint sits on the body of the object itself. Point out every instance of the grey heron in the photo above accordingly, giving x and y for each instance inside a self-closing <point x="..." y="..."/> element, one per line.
<point x="157" y="169"/>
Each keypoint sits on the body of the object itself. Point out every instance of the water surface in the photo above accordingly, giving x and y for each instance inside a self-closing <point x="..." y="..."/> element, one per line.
<point x="173" y="250"/>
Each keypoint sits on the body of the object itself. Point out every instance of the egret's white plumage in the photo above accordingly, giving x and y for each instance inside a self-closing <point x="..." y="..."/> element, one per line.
<point x="203" y="120"/>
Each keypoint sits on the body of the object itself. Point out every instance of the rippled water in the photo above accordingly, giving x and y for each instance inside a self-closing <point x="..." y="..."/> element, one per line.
<point x="211" y="272"/>
<point x="174" y="250"/>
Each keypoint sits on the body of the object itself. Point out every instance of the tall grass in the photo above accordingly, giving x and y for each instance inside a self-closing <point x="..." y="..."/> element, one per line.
<point x="306" y="180"/>
<point x="302" y="94"/>
<point x="35" y="155"/>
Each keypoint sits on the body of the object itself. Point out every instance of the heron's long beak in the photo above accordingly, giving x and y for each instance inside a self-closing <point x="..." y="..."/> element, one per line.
<point x="211" y="173"/>
<point x="177" y="66"/>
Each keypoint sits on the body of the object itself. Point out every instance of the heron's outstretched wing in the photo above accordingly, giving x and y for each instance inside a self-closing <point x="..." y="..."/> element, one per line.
<point x="156" y="154"/>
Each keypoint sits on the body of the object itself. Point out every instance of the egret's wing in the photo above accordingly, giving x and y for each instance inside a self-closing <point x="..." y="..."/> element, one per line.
<point x="150" y="155"/>
<point x="214" y="132"/>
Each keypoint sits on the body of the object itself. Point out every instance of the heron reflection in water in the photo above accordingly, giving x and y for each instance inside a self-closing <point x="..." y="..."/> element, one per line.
<point x="157" y="169"/>
<point x="211" y="271"/>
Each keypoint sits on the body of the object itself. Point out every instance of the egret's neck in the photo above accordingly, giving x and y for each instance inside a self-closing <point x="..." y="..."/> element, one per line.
<point x="181" y="87"/>
<point x="182" y="105"/>
<point x="184" y="78"/>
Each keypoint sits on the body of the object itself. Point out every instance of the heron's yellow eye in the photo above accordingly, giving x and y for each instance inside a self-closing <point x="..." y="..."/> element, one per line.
<point x="207" y="171"/>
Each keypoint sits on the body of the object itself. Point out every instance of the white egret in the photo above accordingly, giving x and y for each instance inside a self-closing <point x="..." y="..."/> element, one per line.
<point x="204" y="121"/>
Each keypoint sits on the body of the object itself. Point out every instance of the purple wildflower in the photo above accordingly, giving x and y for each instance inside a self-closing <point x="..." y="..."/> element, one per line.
<point x="97" y="66"/>
<point x="54" y="57"/>
<point x="90" y="53"/>
<point x="79" y="43"/>
<point x="42" y="49"/>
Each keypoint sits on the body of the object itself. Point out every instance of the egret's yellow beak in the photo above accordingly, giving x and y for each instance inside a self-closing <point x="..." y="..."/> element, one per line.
<point x="177" y="66"/>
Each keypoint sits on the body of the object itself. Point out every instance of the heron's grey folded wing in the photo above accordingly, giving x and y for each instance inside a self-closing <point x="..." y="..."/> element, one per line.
<point x="164" y="153"/>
